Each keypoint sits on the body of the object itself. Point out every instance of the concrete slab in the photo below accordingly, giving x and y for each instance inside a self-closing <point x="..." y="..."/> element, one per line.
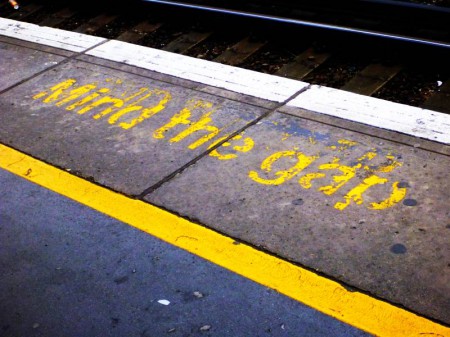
<point x="35" y="46"/>
<point x="25" y="62"/>
<point x="121" y="130"/>
<point x="396" y="137"/>
<point x="47" y="36"/>
<point x="250" y="83"/>
<point x="376" y="112"/>
<point x="158" y="76"/>
<point x="369" y="212"/>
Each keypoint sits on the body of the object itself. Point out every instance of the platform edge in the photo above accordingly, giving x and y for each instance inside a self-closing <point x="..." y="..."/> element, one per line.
<point x="325" y="295"/>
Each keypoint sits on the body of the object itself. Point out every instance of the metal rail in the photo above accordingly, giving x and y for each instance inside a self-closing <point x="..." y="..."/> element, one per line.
<point x="306" y="23"/>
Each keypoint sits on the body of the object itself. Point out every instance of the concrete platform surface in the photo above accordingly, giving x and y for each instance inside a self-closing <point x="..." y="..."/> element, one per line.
<point x="364" y="206"/>
<point x="363" y="210"/>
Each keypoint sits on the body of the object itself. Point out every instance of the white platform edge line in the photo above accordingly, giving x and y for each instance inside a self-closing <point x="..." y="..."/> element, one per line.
<point x="240" y="80"/>
<point x="52" y="37"/>
<point x="371" y="111"/>
<point x="376" y="112"/>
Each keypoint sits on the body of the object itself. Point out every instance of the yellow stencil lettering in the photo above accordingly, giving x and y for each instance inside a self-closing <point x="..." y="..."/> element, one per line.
<point x="183" y="118"/>
<point x="87" y="99"/>
<point x="115" y="103"/>
<point x="390" y="166"/>
<point x="348" y="172"/>
<point x="344" y="145"/>
<point x="367" y="156"/>
<point x="396" y="196"/>
<point x="145" y="114"/>
<point x="346" y="142"/>
<point x="58" y="89"/>
<point x="247" y="146"/>
<point x="283" y="175"/>
<point x="312" y="140"/>
<point x="356" y="193"/>
<point x="126" y="100"/>
<point x="75" y="94"/>
<point x="61" y="89"/>
<point x="201" y="124"/>
<point x="306" y="180"/>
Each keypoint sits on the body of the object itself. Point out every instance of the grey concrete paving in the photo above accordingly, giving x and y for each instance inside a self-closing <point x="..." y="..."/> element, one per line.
<point x="399" y="253"/>
<point x="68" y="270"/>
<point x="25" y="62"/>
<point x="121" y="143"/>
<point x="220" y="92"/>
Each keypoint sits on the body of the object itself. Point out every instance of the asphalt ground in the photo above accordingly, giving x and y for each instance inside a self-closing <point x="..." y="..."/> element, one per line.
<point x="69" y="270"/>
<point x="293" y="191"/>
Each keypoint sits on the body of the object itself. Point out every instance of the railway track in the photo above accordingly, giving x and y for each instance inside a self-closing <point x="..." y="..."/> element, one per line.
<point x="391" y="70"/>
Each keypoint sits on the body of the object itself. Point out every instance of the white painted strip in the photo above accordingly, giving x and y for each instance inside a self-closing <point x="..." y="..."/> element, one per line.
<point x="367" y="110"/>
<point x="244" y="81"/>
<point x="376" y="112"/>
<point x="48" y="36"/>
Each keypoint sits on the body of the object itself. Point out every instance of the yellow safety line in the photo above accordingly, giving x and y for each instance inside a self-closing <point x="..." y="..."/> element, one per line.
<point x="357" y="309"/>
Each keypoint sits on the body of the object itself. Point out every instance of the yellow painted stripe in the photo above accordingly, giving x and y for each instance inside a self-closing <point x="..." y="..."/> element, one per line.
<point x="327" y="296"/>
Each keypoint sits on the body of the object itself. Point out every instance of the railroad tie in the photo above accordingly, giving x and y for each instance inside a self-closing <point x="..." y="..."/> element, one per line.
<point x="240" y="51"/>
<point x="96" y="23"/>
<point x="371" y="78"/>
<point x="303" y="64"/>
<point x="139" y="31"/>
<point x="186" y="41"/>
<point x="57" y="18"/>
<point x="440" y="100"/>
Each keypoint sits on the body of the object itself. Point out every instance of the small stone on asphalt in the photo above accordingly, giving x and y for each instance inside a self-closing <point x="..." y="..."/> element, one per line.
<point x="205" y="328"/>
<point x="198" y="294"/>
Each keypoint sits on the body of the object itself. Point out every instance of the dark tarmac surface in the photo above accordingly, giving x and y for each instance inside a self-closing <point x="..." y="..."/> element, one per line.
<point x="68" y="270"/>
<point x="360" y="205"/>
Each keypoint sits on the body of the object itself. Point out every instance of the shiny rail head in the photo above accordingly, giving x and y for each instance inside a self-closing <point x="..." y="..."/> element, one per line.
<point x="305" y="23"/>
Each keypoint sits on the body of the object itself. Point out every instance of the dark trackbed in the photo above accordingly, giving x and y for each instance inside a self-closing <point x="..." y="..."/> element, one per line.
<point x="390" y="70"/>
